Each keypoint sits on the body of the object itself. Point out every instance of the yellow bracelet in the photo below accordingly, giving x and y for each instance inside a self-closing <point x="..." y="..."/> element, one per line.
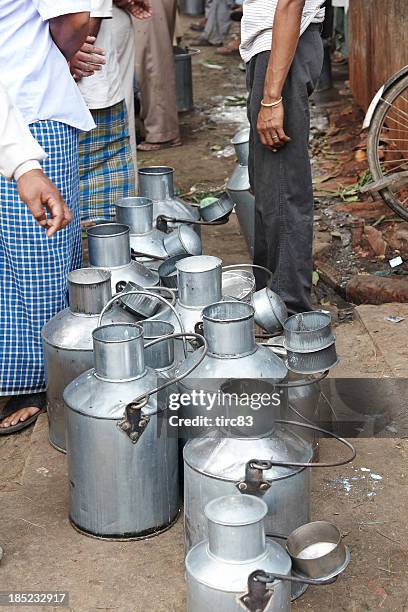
<point x="272" y="104"/>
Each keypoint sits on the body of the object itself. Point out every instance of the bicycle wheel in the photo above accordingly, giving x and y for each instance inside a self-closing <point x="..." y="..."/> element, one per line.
<point x="387" y="146"/>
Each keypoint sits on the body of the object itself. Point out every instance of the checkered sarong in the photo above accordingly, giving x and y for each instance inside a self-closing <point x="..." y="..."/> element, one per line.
<point x="34" y="268"/>
<point x="105" y="164"/>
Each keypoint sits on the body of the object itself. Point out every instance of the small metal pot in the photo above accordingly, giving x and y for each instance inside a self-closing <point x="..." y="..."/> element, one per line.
<point x="312" y="362"/>
<point x="183" y="240"/>
<point x="168" y="271"/>
<point x="217" y="210"/>
<point x="317" y="550"/>
<point x="270" y="310"/>
<point x="240" y="143"/>
<point x="140" y="305"/>
<point x="308" y="332"/>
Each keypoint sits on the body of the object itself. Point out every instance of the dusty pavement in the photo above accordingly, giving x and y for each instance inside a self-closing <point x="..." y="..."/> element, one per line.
<point x="367" y="499"/>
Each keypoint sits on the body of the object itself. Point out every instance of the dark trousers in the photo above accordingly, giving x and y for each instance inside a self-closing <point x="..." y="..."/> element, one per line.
<point x="282" y="181"/>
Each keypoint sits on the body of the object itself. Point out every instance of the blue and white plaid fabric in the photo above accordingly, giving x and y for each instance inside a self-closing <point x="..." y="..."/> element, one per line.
<point x="106" y="164"/>
<point x="34" y="268"/>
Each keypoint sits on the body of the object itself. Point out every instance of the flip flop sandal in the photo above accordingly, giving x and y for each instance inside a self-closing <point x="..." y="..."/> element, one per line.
<point x="33" y="400"/>
<point x="148" y="147"/>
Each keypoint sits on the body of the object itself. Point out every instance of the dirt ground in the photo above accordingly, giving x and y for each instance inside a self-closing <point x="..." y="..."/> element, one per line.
<point x="367" y="499"/>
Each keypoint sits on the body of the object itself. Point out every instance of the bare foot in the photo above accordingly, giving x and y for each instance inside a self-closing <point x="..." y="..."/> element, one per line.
<point x="19" y="416"/>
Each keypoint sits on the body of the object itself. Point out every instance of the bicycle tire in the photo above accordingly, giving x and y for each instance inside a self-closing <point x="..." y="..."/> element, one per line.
<point x="372" y="145"/>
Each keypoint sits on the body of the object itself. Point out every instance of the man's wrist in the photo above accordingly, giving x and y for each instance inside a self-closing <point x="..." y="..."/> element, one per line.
<point x="271" y="97"/>
<point x="272" y="104"/>
<point x="25" y="167"/>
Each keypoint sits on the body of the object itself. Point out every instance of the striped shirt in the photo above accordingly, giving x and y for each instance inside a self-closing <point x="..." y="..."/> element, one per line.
<point x="257" y="24"/>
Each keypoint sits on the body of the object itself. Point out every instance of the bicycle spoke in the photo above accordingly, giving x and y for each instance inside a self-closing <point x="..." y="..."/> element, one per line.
<point x="391" y="140"/>
<point x="395" y="108"/>
<point x="389" y="118"/>
<point x="393" y="169"/>
<point x="392" y="129"/>
<point x="393" y="161"/>
<point x="402" y="98"/>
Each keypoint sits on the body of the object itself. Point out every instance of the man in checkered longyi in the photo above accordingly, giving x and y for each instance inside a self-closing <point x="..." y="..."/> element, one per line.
<point x="38" y="38"/>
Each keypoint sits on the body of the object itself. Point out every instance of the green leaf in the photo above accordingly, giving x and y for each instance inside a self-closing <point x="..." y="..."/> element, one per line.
<point x="315" y="278"/>
<point x="212" y="65"/>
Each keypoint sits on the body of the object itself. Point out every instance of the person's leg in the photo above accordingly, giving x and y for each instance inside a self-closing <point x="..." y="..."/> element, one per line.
<point x="124" y="37"/>
<point x="224" y="17"/>
<point x="34" y="268"/>
<point x="218" y="22"/>
<point x="260" y="243"/>
<point x="282" y="181"/>
<point x="105" y="164"/>
<point x="155" y="69"/>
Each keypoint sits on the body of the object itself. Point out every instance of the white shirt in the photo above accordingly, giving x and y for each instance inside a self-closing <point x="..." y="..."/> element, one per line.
<point x="257" y="23"/>
<point x="33" y="69"/>
<point x="103" y="89"/>
<point x="19" y="151"/>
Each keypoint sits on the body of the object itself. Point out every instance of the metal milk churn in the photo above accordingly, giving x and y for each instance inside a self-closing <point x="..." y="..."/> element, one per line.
<point x="146" y="241"/>
<point x="150" y="245"/>
<point x="156" y="183"/>
<point x="217" y="569"/>
<point x="232" y="350"/>
<point x="109" y="248"/>
<point x="122" y="464"/>
<point x="199" y="284"/>
<point x="147" y="305"/>
<point x="215" y="466"/>
<point x="238" y="188"/>
<point x="67" y="340"/>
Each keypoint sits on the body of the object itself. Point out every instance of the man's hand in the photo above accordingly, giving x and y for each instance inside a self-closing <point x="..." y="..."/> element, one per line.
<point x="40" y="195"/>
<point x="270" y="127"/>
<point x="87" y="60"/>
<point x="140" y="9"/>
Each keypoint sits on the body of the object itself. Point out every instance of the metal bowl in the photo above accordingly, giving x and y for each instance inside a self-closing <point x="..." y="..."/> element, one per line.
<point x="217" y="210"/>
<point x="168" y="271"/>
<point x="270" y="310"/>
<point x="312" y="363"/>
<point x="317" y="550"/>
<point x="141" y="305"/>
<point x="182" y="240"/>
<point x="308" y="331"/>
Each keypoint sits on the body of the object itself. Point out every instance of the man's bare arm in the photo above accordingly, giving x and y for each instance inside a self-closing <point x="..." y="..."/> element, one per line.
<point x="285" y="38"/>
<point x="69" y="32"/>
